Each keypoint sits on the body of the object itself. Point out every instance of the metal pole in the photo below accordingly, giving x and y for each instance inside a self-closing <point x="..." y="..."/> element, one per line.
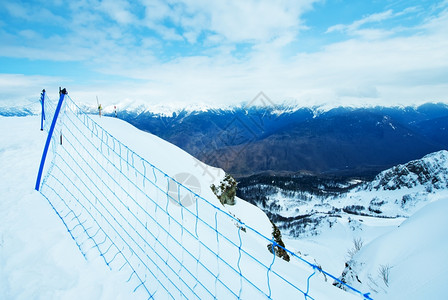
<point x="50" y="134"/>
<point x="42" y="99"/>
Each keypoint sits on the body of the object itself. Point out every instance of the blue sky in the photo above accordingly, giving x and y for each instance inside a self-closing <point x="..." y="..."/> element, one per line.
<point x="311" y="52"/>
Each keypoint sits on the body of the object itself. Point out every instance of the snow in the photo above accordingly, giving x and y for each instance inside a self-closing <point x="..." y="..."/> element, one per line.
<point x="405" y="234"/>
<point x="416" y="254"/>
<point x="252" y="216"/>
<point x="161" y="109"/>
<point x="330" y="247"/>
<point x="39" y="260"/>
<point x="412" y="249"/>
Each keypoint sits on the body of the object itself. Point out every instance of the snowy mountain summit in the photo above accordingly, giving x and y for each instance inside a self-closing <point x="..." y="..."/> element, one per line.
<point x="431" y="171"/>
<point x="394" y="193"/>
<point x="403" y="189"/>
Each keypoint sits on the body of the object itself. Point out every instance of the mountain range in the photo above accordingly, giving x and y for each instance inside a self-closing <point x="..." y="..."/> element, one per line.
<point x="278" y="140"/>
<point x="282" y="139"/>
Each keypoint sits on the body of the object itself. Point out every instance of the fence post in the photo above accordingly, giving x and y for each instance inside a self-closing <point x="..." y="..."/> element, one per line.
<point x="42" y="99"/>
<point x="62" y="94"/>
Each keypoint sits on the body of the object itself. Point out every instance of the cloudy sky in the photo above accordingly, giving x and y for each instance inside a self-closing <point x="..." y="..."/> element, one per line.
<point x="223" y="52"/>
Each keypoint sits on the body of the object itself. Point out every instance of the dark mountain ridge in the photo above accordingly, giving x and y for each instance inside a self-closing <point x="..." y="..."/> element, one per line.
<point x="343" y="140"/>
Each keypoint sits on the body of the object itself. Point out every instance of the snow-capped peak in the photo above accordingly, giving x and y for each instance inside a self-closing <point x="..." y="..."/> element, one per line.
<point x="431" y="171"/>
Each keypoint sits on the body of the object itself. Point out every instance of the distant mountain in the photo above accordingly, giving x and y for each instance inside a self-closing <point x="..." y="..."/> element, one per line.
<point x="301" y="205"/>
<point x="431" y="171"/>
<point x="402" y="189"/>
<point x="19" y="111"/>
<point x="342" y="140"/>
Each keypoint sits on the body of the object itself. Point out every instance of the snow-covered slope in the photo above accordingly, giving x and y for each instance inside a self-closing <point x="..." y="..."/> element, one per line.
<point x="403" y="189"/>
<point x="39" y="260"/>
<point x="394" y="193"/>
<point x="431" y="171"/>
<point x="389" y="233"/>
<point x="175" y="162"/>
<point x="20" y="111"/>
<point x="410" y="261"/>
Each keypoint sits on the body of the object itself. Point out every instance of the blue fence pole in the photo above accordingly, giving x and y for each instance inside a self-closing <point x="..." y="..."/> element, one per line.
<point x="42" y="99"/>
<point x="50" y="133"/>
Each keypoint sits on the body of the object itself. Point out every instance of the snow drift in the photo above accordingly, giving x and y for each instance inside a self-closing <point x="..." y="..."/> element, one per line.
<point x="408" y="262"/>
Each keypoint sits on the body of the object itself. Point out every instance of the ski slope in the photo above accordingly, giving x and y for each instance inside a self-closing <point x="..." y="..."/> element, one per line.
<point x="40" y="260"/>
<point x="408" y="262"/>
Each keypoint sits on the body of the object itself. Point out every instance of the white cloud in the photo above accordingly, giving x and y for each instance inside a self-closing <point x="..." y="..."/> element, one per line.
<point x="17" y="89"/>
<point x="93" y="31"/>
<point x="387" y="70"/>
<point x="118" y="10"/>
<point x="240" y="21"/>
<point x="382" y="67"/>
<point x="364" y="27"/>
<point x="30" y="12"/>
<point x="236" y="21"/>
<point x="16" y="10"/>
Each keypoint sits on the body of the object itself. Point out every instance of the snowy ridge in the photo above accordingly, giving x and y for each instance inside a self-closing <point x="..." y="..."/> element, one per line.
<point x="396" y="192"/>
<point x="113" y="201"/>
<point x="388" y="234"/>
<point x="430" y="171"/>
<point x="261" y="102"/>
<point x="19" y="111"/>
<point x="401" y="190"/>
<point x="163" y="110"/>
<point x="38" y="259"/>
